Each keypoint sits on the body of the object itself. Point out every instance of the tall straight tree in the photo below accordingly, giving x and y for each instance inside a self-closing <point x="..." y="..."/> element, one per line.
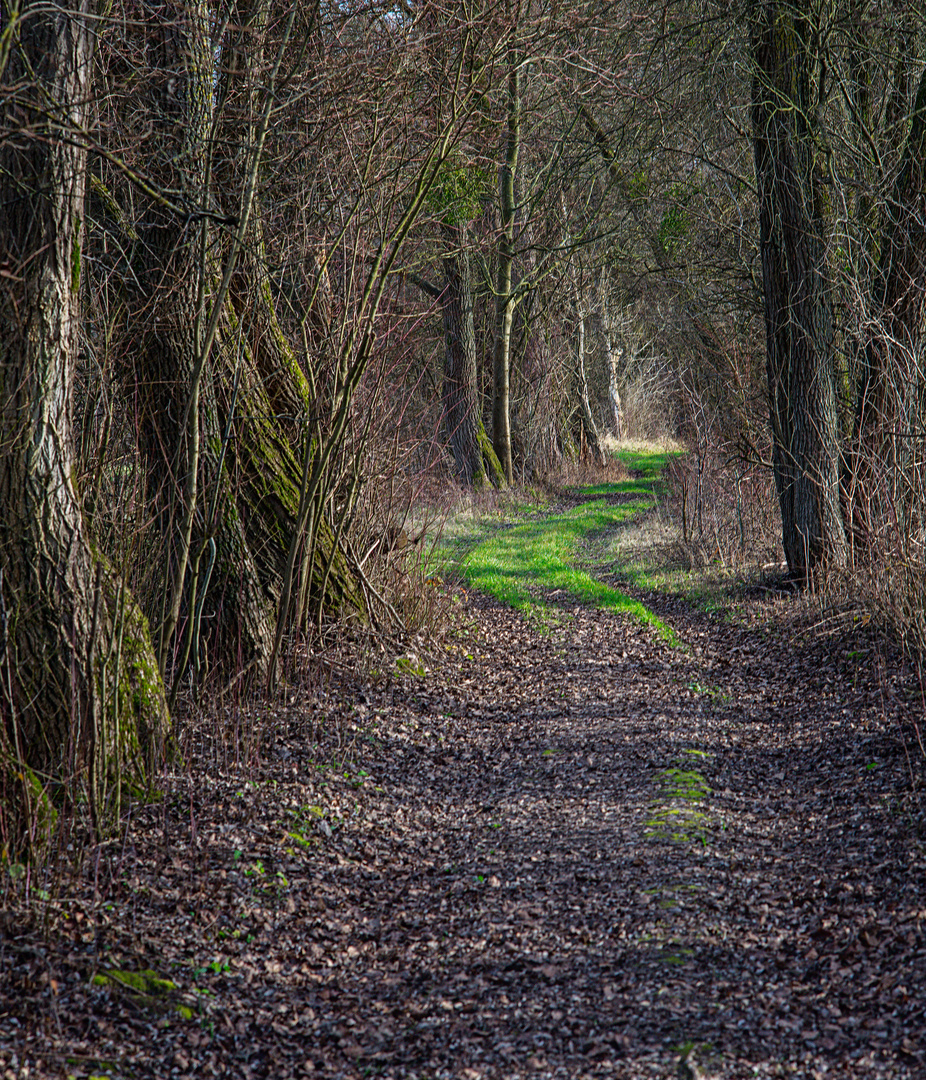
<point x="504" y="298"/>
<point x="83" y="682"/>
<point x="797" y="293"/>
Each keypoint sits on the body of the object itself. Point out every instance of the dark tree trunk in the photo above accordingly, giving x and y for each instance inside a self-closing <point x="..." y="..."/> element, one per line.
<point x="891" y="386"/>
<point x="223" y="606"/>
<point x="82" y="678"/>
<point x="798" y="313"/>
<point x="472" y="451"/>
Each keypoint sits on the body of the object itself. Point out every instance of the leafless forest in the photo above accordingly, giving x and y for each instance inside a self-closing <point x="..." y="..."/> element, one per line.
<point x="282" y="282"/>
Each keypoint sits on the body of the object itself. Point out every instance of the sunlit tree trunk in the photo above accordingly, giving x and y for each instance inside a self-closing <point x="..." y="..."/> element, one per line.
<point x="81" y="674"/>
<point x="590" y="435"/>
<point x="610" y="355"/>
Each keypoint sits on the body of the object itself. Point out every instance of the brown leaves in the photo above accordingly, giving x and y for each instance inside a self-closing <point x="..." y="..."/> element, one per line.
<point x="579" y="852"/>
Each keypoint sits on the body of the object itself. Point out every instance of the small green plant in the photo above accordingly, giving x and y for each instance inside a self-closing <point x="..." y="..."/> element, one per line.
<point x="410" y="665"/>
<point x="214" y="967"/>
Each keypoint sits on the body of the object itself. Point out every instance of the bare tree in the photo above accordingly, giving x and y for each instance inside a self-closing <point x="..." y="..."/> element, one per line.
<point x="798" y="307"/>
<point x="80" y="679"/>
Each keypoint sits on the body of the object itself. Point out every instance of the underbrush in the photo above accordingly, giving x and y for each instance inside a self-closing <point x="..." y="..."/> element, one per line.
<point x="710" y="534"/>
<point x="717" y="537"/>
<point x="725" y="510"/>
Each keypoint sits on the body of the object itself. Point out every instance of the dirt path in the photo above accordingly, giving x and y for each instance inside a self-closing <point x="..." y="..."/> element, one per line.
<point x="579" y="854"/>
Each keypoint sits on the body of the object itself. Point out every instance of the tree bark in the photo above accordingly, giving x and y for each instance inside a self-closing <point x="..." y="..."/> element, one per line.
<point x="84" y="685"/>
<point x="610" y="355"/>
<point x="238" y="458"/>
<point x="501" y="361"/>
<point x="798" y="313"/>
<point x="590" y="435"/>
<point x="472" y="452"/>
<point x="891" y="386"/>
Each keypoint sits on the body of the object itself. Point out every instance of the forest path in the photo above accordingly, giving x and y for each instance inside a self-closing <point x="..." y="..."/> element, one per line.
<point x="636" y="851"/>
<point x="581" y="852"/>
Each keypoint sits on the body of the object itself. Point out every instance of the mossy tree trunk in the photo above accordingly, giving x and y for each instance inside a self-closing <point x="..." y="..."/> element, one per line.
<point x="212" y="592"/>
<point x="81" y="678"/>
<point x="238" y="459"/>
<point x="279" y="419"/>
<point x="473" y="455"/>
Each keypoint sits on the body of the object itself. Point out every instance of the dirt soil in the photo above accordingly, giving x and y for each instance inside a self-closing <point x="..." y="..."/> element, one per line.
<point x="579" y="853"/>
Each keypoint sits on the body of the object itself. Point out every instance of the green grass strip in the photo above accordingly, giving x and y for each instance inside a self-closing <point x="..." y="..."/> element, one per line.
<point x="538" y="556"/>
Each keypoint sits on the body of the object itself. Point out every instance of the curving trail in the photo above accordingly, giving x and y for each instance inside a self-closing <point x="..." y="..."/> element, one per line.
<point x="583" y="853"/>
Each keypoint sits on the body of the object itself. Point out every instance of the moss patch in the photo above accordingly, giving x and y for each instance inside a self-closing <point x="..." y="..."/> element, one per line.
<point x="146" y="988"/>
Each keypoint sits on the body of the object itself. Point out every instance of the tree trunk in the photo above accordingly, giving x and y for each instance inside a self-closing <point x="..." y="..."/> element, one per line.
<point x="798" y="313"/>
<point x="501" y="363"/>
<point x="591" y="438"/>
<point x="83" y="682"/>
<point x="237" y="461"/>
<point x="208" y="570"/>
<point x="891" y="384"/>
<point x="610" y="355"/>
<point x="472" y="451"/>
<point x="541" y="401"/>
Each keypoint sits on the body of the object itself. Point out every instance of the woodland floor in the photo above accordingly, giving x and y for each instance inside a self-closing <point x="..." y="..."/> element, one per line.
<point x="574" y="853"/>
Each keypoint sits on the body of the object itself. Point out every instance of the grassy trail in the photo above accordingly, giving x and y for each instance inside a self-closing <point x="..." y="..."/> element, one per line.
<point x="533" y="564"/>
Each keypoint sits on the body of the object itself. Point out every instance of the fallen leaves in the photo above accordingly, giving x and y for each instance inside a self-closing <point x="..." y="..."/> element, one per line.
<point x="576" y="853"/>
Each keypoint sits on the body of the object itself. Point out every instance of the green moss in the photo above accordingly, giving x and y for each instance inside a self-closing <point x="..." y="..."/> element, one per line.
<point x="146" y="987"/>
<point x="493" y="467"/>
<point x="75" y="257"/>
<point x="101" y="192"/>
<point x="135" y="706"/>
<point x="44" y="813"/>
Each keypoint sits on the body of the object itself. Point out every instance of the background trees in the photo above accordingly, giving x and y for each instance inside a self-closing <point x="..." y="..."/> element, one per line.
<point x="248" y="246"/>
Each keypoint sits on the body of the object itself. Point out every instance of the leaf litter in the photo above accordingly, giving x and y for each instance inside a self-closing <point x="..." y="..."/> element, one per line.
<point x="573" y="853"/>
